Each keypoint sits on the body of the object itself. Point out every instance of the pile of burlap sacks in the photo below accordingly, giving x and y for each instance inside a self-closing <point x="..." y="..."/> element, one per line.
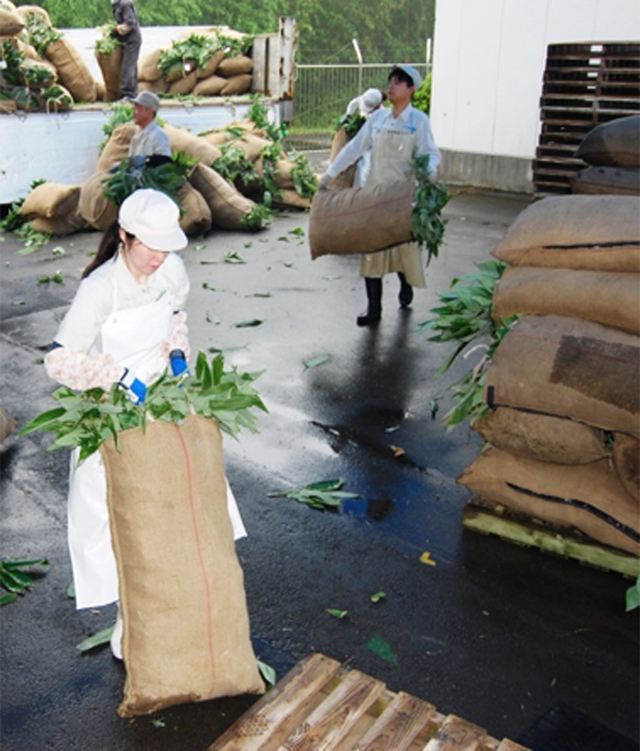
<point x="207" y="199"/>
<point x="564" y="384"/>
<point x="612" y="153"/>
<point x="65" y="69"/>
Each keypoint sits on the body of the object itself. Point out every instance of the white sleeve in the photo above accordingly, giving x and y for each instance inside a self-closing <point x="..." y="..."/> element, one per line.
<point x="175" y="276"/>
<point x="426" y="145"/>
<point x="89" y="310"/>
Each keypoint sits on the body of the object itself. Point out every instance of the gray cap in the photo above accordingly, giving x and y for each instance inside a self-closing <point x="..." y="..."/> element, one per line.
<point x="147" y="99"/>
<point x="411" y="72"/>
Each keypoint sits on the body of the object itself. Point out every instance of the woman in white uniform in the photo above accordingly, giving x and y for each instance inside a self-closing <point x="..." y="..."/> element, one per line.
<point x="394" y="135"/>
<point x="126" y="325"/>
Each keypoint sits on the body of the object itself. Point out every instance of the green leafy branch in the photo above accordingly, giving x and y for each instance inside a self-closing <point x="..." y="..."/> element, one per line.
<point x="427" y="223"/>
<point x="324" y="495"/>
<point x="15" y="581"/>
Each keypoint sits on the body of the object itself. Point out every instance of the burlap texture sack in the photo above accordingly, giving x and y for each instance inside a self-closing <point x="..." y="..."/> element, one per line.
<point x="612" y="144"/>
<point x="210" y="86"/>
<point x="186" y="627"/>
<point x="290" y="198"/>
<point x="193" y="146"/>
<point x="183" y="85"/>
<point x="542" y="437"/>
<point x="10" y="22"/>
<point x="569" y="368"/>
<point x="237" y="85"/>
<point x="228" y="206"/>
<point x="27" y="51"/>
<point x="7" y="425"/>
<point x="148" y="68"/>
<point x="72" y="70"/>
<point x="195" y="217"/>
<point x="158" y="87"/>
<point x="346" y="177"/>
<point x="211" y="66"/>
<point x="47" y="74"/>
<point x="110" y="66"/>
<point x="575" y="232"/>
<point x="51" y="201"/>
<point x="284" y="176"/>
<point x="588" y="498"/>
<point x="231" y="67"/>
<point x="117" y="147"/>
<point x="7" y="106"/>
<point x="251" y="145"/>
<point x="361" y="220"/>
<point x="96" y="210"/>
<point x="619" y="181"/>
<point x="71" y="223"/>
<point x="26" y="10"/>
<point x="626" y="460"/>
<point x="608" y="297"/>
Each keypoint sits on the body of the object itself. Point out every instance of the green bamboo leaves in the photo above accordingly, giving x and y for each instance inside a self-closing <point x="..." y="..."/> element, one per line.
<point x="427" y="224"/>
<point x="323" y="495"/>
<point x="88" y="419"/>
<point x="14" y="580"/>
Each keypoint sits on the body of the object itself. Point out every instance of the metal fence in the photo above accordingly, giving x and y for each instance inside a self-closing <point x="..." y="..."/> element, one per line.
<point x="322" y="93"/>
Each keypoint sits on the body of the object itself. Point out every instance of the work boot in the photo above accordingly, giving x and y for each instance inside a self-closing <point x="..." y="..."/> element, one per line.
<point x="374" y="302"/>
<point x="405" y="296"/>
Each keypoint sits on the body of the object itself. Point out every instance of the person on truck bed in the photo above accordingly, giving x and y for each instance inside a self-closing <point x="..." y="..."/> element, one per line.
<point x="128" y="32"/>
<point x="150" y="144"/>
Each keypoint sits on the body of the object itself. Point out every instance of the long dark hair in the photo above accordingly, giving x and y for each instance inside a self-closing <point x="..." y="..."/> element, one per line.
<point x="107" y="249"/>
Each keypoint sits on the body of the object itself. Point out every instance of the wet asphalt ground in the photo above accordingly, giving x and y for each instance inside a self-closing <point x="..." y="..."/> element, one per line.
<point x="500" y="635"/>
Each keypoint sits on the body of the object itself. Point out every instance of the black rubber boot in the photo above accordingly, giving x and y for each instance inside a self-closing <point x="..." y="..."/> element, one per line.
<point x="374" y="302"/>
<point x="405" y="297"/>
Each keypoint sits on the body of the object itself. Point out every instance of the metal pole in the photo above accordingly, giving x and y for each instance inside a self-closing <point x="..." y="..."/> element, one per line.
<point x="359" y="56"/>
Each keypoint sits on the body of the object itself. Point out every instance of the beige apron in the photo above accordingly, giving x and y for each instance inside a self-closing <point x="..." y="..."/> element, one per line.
<point x="391" y="159"/>
<point x="133" y="337"/>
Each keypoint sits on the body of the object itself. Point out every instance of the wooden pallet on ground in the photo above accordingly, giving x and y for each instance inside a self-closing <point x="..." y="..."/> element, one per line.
<point x="321" y="705"/>
<point x="525" y="531"/>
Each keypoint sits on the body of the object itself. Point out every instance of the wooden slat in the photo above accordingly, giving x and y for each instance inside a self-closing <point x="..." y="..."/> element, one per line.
<point x="404" y="719"/>
<point x="273" y="718"/>
<point x="333" y="720"/>
<point x="457" y="734"/>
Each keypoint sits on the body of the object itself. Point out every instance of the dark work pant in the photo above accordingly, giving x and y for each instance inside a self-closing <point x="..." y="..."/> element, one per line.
<point x="129" y="72"/>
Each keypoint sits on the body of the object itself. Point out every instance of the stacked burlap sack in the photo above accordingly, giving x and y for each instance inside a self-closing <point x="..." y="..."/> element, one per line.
<point x="612" y="151"/>
<point x="564" y="385"/>
<point x="43" y="70"/>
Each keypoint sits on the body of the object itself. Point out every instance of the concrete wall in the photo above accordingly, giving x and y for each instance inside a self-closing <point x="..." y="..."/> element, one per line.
<point x="488" y="64"/>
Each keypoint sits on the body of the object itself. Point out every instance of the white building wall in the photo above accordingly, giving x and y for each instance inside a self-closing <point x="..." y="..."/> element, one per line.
<point x="488" y="65"/>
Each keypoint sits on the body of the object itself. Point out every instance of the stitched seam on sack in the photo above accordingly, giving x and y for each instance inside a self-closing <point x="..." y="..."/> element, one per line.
<point x="203" y="569"/>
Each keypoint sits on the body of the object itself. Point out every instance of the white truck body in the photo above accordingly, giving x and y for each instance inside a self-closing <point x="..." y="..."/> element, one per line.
<point x="64" y="147"/>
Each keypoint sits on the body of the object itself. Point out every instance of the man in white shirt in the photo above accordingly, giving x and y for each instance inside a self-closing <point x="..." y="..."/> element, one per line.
<point x="150" y="144"/>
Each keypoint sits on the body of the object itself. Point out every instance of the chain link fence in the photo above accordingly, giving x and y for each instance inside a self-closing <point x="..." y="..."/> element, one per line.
<point x="322" y="93"/>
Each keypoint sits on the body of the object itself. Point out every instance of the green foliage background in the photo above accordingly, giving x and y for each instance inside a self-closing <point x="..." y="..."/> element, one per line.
<point x="386" y="30"/>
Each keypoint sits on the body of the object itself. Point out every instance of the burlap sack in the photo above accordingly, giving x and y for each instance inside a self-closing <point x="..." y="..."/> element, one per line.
<point x="542" y="437"/>
<point x="51" y="201"/>
<point x="252" y="146"/>
<point x="210" y="86"/>
<point x="212" y="65"/>
<point x="575" y="232"/>
<point x="588" y="498"/>
<point x="72" y="70"/>
<point x="620" y="181"/>
<point x="228" y="206"/>
<point x="27" y="51"/>
<point x="148" y="68"/>
<point x="361" y="220"/>
<point x="160" y="86"/>
<point x="117" y="147"/>
<point x="284" y="176"/>
<point x="626" y="460"/>
<point x="7" y="106"/>
<point x="47" y="74"/>
<point x="237" y="85"/>
<point x="7" y="425"/>
<point x="613" y="144"/>
<point x="346" y="177"/>
<point x="26" y="10"/>
<point x="231" y="67"/>
<point x="10" y="22"/>
<point x="71" y="223"/>
<point x="608" y="297"/>
<point x="569" y="368"/>
<point x="193" y="146"/>
<point x="290" y="198"/>
<point x="183" y="85"/>
<point x="110" y="66"/>
<point x="186" y="627"/>
<point x="195" y="216"/>
<point x="96" y="210"/>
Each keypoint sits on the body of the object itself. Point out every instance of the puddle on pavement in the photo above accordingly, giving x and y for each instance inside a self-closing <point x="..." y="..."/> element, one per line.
<point x="376" y="509"/>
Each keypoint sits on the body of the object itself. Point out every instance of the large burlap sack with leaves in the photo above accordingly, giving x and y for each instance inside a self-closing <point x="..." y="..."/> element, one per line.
<point x="608" y="297"/>
<point x="193" y="146"/>
<point x="626" y="459"/>
<point x="620" y="181"/>
<point x="237" y="85"/>
<point x="346" y="177"/>
<point x="110" y="67"/>
<point x="588" y="498"/>
<point x="228" y="206"/>
<point x="72" y="70"/>
<point x="51" y="201"/>
<point x="612" y="144"/>
<point x="195" y="214"/>
<point x="252" y="145"/>
<point x="148" y="67"/>
<point x="28" y="52"/>
<point x="10" y="22"/>
<point x="211" y="67"/>
<point x="186" y="626"/>
<point x="211" y="86"/>
<point x="37" y="75"/>
<point x="361" y="220"/>
<point x="24" y="11"/>
<point x="184" y="84"/>
<point x="542" y="437"/>
<point x="94" y="207"/>
<point x="570" y="368"/>
<point x="158" y="87"/>
<point x="575" y="232"/>
<point x="230" y="67"/>
<point x="117" y="147"/>
<point x="67" y="225"/>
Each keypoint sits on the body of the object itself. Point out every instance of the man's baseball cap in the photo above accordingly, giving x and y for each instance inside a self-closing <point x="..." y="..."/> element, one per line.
<point x="154" y="219"/>
<point x="147" y="99"/>
<point x="411" y="72"/>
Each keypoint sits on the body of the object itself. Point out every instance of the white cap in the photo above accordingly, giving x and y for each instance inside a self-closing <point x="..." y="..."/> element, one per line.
<point x="154" y="219"/>
<point x="411" y="72"/>
<point x="371" y="99"/>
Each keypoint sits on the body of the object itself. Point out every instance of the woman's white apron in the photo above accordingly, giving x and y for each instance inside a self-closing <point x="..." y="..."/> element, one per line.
<point x="391" y="159"/>
<point x="134" y="338"/>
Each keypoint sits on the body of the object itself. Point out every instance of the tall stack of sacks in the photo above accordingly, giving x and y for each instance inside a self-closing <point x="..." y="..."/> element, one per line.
<point x="564" y="384"/>
<point x="612" y="151"/>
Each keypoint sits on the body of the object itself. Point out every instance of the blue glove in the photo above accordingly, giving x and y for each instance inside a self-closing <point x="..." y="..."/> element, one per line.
<point x="136" y="390"/>
<point x="178" y="362"/>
